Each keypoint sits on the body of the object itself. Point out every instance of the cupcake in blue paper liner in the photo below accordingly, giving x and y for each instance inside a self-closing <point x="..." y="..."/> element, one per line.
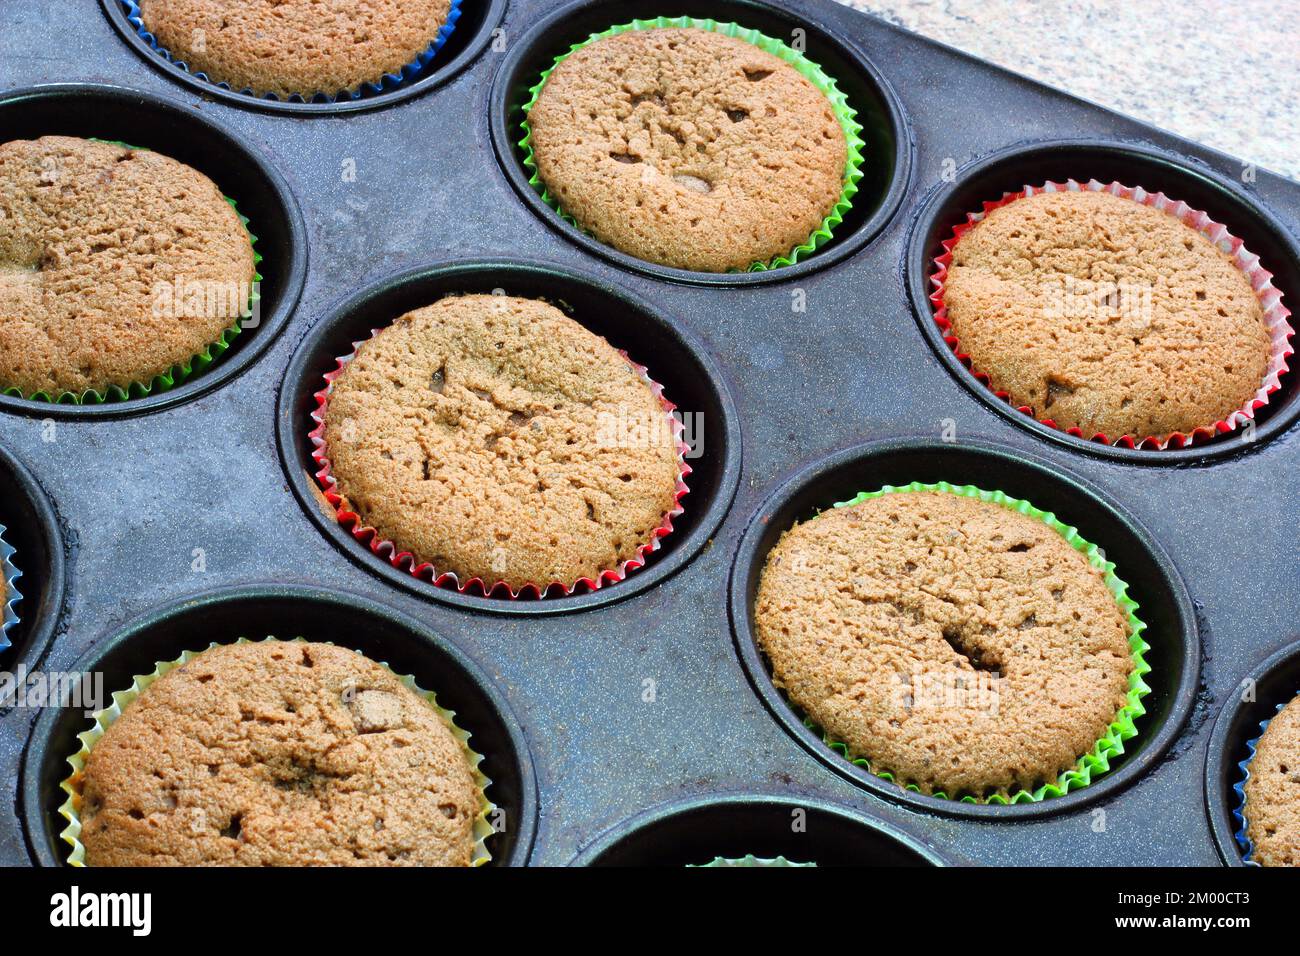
<point x="9" y="596"/>
<point x="297" y="50"/>
<point x="1269" y="791"/>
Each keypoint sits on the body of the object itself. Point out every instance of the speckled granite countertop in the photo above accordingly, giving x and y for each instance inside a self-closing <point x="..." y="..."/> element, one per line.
<point x="1223" y="74"/>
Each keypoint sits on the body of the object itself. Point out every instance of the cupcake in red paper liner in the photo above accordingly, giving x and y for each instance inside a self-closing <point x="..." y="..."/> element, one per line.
<point x="1113" y="314"/>
<point x="492" y="444"/>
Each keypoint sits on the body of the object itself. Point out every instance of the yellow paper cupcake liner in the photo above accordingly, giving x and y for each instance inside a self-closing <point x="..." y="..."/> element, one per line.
<point x="70" y="810"/>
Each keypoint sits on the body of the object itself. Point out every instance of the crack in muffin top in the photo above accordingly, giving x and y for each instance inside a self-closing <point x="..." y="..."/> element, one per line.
<point x="688" y="148"/>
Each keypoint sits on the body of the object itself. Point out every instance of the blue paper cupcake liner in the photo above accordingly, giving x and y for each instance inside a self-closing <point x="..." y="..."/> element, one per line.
<point x="385" y="84"/>
<point x="1239" y="811"/>
<point x="11" y="594"/>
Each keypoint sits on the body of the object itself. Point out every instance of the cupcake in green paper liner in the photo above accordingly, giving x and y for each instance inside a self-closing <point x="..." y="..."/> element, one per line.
<point x="958" y="642"/>
<point x="129" y="272"/>
<point x="748" y="861"/>
<point x="275" y="753"/>
<point x="694" y="144"/>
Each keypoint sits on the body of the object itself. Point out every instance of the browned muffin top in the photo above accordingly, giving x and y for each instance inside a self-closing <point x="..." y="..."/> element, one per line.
<point x="495" y="437"/>
<point x="1273" y="791"/>
<point x="1107" y="315"/>
<point x="115" y="265"/>
<point x="957" y="644"/>
<point x="278" y="754"/>
<point x="295" y="46"/>
<point x="688" y="148"/>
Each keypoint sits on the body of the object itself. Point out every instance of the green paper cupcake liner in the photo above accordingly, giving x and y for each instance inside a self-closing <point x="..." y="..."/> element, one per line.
<point x="844" y="113"/>
<point x="178" y="373"/>
<point x="1123" y="727"/>
<point x="70" y="810"/>
<point x="747" y="861"/>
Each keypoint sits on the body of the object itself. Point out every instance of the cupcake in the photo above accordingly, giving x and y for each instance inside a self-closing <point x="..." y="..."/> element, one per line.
<point x="497" y="440"/>
<point x="952" y="639"/>
<point x="286" y="48"/>
<point x="122" y="267"/>
<point x="1272" y="791"/>
<point x="278" y="754"/>
<point x="690" y="148"/>
<point x="1106" y="315"/>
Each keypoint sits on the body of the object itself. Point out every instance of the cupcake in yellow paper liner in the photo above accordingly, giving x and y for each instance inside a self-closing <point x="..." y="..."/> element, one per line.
<point x="275" y="753"/>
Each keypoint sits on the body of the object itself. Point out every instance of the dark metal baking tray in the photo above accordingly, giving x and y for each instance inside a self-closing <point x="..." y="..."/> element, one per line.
<point x="636" y="719"/>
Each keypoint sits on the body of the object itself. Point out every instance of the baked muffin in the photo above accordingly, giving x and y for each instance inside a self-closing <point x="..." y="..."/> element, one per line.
<point x="287" y="47"/>
<point x="115" y="265"/>
<point x="1273" y="791"/>
<point x="278" y="753"/>
<point x="498" y="439"/>
<point x="954" y="643"/>
<point x="1106" y="315"/>
<point x="688" y="148"/>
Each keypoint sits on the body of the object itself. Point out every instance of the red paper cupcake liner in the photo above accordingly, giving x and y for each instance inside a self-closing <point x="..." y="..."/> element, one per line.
<point x="425" y="571"/>
<point x="1276" y="314"/>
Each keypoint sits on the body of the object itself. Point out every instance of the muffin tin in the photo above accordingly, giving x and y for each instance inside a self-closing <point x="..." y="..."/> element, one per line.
<point x="635" y="724"/>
